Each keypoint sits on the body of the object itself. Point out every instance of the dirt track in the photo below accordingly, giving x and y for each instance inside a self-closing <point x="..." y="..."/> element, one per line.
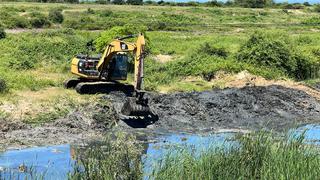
<point x="248" y="108"/>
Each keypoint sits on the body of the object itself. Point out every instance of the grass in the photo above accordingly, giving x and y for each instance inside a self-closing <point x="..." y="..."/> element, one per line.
<point x="117" y="158"/>
<point x="258" y="156"/>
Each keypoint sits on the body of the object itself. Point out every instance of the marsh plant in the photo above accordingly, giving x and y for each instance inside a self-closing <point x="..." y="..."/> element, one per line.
<point x="117" y="158"/>
<point x="258" y="156"/>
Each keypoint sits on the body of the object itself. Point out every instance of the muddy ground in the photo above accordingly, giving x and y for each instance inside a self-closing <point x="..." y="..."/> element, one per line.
<point x="248" y="108"/>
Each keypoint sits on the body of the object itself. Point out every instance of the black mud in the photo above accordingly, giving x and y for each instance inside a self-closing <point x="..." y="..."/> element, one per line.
<point x="271" y="107"/>
<point x="248" y="108"/>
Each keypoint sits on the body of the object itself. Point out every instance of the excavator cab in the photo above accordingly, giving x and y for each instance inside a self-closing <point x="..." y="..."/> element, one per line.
<point x="118" y="67"/>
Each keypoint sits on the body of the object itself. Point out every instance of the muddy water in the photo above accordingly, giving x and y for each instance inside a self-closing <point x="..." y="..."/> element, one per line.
<point x="55" y="162"/>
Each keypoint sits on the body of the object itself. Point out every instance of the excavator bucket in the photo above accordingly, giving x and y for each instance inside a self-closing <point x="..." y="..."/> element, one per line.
<point x="136" y="106"/>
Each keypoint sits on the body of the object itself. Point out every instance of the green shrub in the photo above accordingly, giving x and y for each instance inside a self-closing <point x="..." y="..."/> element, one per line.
<point x="55" y="16"/>
<point x="105" y="13"/>
<point x="264" y="50"/>
<point x="39" y="20"/>
<point x="20" y="22"/>
<point x="119" y="2"/>
<point x="278" y="53"/>
<point x="107" y="36"/>
<point x="315" y="21"/>
<point x="21" y="62"/>
<point x="3" y="86"/>
<point x="90" y="11"/>
<point x="134" y="2"/>
<point x="293" y="6"/>
<point x="212" y="51"/>
<point x="2" y="33"/>
<point x="317" y="8"/>
<point x="254" y="3"/>
<point x="316" y="52"/>
<point x="304" y="40"/>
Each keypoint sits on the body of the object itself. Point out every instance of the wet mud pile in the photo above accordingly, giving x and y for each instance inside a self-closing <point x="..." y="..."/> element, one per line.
<point x="270" y="107"/>
<point x="247" y="108"/>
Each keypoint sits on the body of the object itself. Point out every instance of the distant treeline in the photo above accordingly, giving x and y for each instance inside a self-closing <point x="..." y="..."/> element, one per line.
<point x="211" y="3"/>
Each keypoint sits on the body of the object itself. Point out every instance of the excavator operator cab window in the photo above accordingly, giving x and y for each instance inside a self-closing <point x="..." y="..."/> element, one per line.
<point x="118" y="66"/>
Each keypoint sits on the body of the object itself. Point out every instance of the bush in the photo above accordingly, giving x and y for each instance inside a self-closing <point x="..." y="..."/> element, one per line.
<point x="3" y="86"/>
<point x="293" y="6"/>
<point x="317" y="8"/>
<point x="2" y="33"/>
<point x="55" y="16"/>
<point x="135" y="2"/>
<point x="119" y="2"/>
<point x="105" y="13"/>
<point x="304" y="40"/>
<point x="21" y="63"/>
<point x="90" y="11"/>
<point x="314" y="21"/>
<point x="212" y="51"/>
<point x="213" y="3"/>
<point x="268" y="50"/>
<point x="39" y="20"/>
<point x="263" y="50"/>
<point x="254" y="3"/>
<point x="117" y="31"/>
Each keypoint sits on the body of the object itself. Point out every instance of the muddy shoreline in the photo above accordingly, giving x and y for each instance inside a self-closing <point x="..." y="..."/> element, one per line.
<point x="249" y="108"/>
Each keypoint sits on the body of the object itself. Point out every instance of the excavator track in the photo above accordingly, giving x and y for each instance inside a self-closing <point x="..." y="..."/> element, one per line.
<point x="104" y="87"/>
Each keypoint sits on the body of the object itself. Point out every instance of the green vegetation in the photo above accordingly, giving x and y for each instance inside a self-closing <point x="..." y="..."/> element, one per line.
<point x="26" y="59"/>
<point x="276" y="51"/>
<point x="3" y="86"/>
<point x="254" y="3"/>
<point x="55" y="15"/>
<point x="257" y="156"/>
<point x="2" y="33"/>
<point x="117" y="158"/>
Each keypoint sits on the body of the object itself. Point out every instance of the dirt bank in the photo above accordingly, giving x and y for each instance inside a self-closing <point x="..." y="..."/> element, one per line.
<point x="79" y="126"/>
<point x="246" y="108"/>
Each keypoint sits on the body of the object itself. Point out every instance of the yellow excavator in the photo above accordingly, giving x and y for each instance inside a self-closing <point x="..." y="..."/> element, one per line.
<point x="102" y="74"/>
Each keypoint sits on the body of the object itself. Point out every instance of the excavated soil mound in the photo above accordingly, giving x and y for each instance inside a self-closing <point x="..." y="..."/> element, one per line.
<point x="271" y="107"/>
<point x="247" y="108"/>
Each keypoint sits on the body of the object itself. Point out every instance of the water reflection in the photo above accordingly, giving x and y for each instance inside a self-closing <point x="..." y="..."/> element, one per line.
<point x="53" y="162"/>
